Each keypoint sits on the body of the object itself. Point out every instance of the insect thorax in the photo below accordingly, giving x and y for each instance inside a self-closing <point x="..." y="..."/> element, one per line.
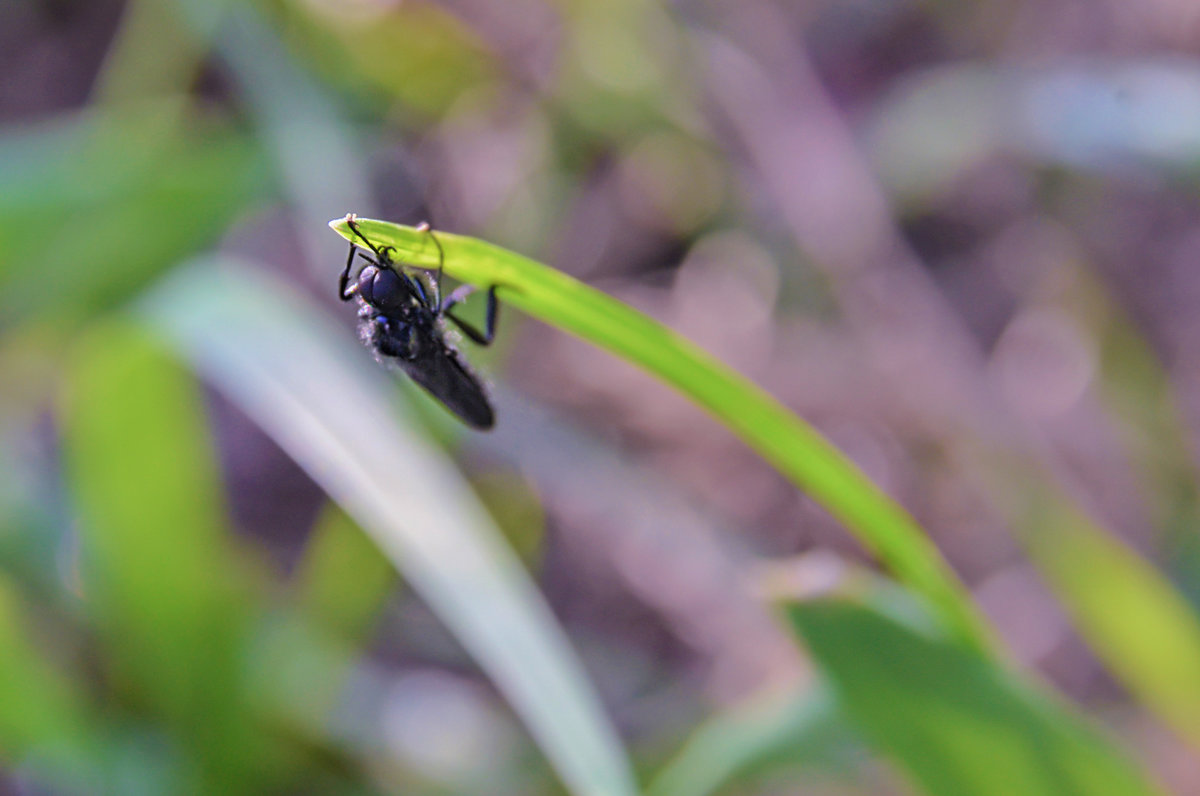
<point x="392" y="337"/>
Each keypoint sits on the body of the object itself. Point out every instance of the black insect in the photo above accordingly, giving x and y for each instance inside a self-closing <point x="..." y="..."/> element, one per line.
<point x="401" y="318"/>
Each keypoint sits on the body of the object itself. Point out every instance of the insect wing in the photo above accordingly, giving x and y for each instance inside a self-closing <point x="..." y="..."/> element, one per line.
<point x="444" y="376"/>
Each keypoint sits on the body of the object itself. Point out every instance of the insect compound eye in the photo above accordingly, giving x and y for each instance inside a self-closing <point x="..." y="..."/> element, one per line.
<point x="386" y="288"/>
<point x="365" y="284"/>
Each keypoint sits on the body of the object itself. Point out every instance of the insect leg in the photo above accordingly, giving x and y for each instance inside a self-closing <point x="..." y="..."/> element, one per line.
<point x="437" y="285"/>
<point x="489" y="325"/>
<point x="345" y="293"/>
<point x="345" y="289"/>
<point x="353" y="224"/>
<point x="457" y="296"/>
<point x="418" y="286"/>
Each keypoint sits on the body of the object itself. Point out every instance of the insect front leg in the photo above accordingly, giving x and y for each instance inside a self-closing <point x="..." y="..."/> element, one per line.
<point x="489" y="324"/>
<point x="351" y="221"/>
<point x="345" y="292"/>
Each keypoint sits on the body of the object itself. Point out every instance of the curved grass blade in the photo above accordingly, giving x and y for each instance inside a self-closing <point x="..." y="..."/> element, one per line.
<point x="787" y="442"/>
<point x="314" y="390"/>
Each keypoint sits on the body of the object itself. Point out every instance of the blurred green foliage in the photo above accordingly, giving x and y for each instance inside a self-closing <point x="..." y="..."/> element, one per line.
<point x="162" y="169"/>
<point x="956" y="722"/>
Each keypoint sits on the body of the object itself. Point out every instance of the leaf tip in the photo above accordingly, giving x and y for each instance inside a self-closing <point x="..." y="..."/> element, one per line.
<point x="342" y="225"/>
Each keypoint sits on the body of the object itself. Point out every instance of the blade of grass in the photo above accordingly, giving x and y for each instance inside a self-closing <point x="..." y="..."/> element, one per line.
<point x="343" y="579"/>
<point x="801" y="728"/>
<point x="161" y="570"/>
<point x="47" y="728"/>
<point x="1138" y="623"/>
<point x="160" y="168"/>
<point x="309" y="385"/>
<point x="957" y="722"/>
<point x="783" y="439"/>
<point x="1129" y="612"/>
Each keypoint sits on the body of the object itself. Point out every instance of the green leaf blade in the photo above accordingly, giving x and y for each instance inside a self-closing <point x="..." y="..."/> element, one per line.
<point x="47" y="726"/>
<point x="955" y="721"/>
<point x="343" y="579"/>
<point x="160" y="570"/>
<point x="783" y="439"/>
<point x="1139" y="624"/>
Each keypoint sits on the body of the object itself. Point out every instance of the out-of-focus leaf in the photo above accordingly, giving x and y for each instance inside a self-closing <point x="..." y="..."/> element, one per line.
<point x="310" y="143"/>
<point x="129" y="193"/>
<point x="343" y="578"/>
<point x="1146" y="632"/>
<point x="1096" y="115"/>
<point x="782" y="438"/>
<point x="510" y="499"/>
<point x="313" y="388"/>
<point x="1141" y="627"/>
<point x="169" y="596"/>
<point x="420" y="54"/>
<point x="956" y="722"/>
<point x="784" y="729"/>
<point x="297" y="673"/>
<point x="46" y="726"/>
<point x="1138" y="390"/>
<point x="153" y="53"/>
<point x="31" y="525"/>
